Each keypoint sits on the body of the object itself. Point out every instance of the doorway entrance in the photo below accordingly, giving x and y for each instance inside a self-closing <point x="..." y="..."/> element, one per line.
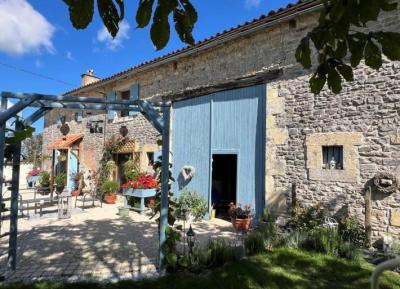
<point x="224" y="182"/>
<point x="120" y="160"/>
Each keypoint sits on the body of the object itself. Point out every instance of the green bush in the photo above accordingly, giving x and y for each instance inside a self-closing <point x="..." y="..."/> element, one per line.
<point x="131" y="170"/>
<point x="193" y="203"/>
<point x="326" y="241"/>
<point x="254" y="243"/>
<point x="349" y="251"/>
<point x="109" y="187"/>
<point x="44" y="179"/>
<point x="60" y="179"/>
<point x="307" y="219"/>
<point x="295" y="239"/>
<point x="352" y="231"/>
<point x="219" y="252"/>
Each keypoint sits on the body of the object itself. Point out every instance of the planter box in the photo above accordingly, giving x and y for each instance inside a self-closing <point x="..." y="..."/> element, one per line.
<point x="138" y="193"/>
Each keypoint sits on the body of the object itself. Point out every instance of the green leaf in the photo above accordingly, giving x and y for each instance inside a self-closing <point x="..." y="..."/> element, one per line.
<point x="356" y="47"/>
<point x="387" y="5"/>
<point x="317" y="82"/>
<point x="80" y="12"/>
<point x="303" y="53"/>
<point x="390" y="42"/>
<point x="346" y="71"/>
<point x="143" y="14"/>
<point x="171" y="259"/>
<point x="369" y="10"/>
<point x="184" y="19"/>
<point x="341" y="50"/>
<point x="334" y="81"/>
<point x="373" y="56"/>
<point x="160" y="30"/>
<point x="109" y="14"/>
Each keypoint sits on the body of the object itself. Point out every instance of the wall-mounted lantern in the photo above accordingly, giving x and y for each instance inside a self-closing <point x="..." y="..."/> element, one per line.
<point x="123" y="131"/>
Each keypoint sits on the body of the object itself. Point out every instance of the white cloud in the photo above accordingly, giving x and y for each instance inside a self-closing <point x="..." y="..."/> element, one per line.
<point x="23" y="29"/>
<point x="252" y="3"/>
<point x="69" y="56"/>
<point x="113" y="44"/>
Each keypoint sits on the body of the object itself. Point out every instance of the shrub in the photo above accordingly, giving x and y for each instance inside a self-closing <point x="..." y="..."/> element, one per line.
<point x="131" y="170"/>
<point x="109" y="187"/>
<point x="349" y="251"/>
<point x="352" y="231"/>
<point x="326" y="241"/>
<point x="60" y="179"/>
<point x="254" y="243"/>
<point x="219" y="252"/>
<point x="44" y="179"/>
<point x="295" y="239"/>
<point x="270" y="232"/>
<point x="193" y="203"/>
<point x="307" y="219"/>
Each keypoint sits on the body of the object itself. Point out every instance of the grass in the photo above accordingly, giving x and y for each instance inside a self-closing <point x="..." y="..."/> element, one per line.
<point x="278" y="269"/>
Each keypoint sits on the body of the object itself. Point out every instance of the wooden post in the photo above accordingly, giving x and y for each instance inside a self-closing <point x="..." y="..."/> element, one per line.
<point x="164" y="183"/>
<point x="2" y="147"/>
<point x="368" y="208"/>
<point x="12" y="248"/>
<point x="294" y="198"/>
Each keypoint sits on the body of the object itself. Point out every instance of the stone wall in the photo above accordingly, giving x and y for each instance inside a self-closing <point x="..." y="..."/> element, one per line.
<point x="369" y="107"/>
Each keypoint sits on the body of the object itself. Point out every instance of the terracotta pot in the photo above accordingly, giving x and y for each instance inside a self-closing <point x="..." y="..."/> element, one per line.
<point x="110" y="198"/>
<point x="241" y="225"/>
<point x="75" y="193"/>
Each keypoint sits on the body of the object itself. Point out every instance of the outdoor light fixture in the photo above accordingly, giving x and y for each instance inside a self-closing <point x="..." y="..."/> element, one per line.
<point x="94" y="126"/>
<point x="190" y="239"/>
<point x="123" y="131"/>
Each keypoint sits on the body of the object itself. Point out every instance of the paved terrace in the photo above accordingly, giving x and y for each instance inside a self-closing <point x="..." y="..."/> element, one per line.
<point x="94" y="244"/>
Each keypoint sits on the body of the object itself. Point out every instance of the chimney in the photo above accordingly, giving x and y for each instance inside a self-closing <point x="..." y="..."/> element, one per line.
<point x="88" y="78"/>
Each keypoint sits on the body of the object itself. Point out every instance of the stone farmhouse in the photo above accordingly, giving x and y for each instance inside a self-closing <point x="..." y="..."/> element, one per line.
<point x="244" y="118"/>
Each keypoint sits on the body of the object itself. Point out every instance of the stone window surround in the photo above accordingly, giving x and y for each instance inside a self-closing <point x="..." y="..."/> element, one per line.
<point x="351" y="166"/>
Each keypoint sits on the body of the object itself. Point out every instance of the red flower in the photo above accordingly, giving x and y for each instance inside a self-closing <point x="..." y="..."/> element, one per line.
<point x="142" y="182"/>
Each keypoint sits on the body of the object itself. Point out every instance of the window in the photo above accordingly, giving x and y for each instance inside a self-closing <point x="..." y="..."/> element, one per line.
<point x="78" y="116"/>
<point x="150" y="158"/>
<point x="332" y="157"/>
<point x="125" y="95"/>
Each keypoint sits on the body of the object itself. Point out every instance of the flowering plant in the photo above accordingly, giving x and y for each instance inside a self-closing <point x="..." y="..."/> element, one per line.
<point x="34" y="172"/>
<point x="143" y="181"/>
<point x="239" y="212"/>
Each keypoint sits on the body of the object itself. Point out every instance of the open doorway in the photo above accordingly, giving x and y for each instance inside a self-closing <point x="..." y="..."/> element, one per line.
<point x="223" y="185"/>
<point x="120" y="160"/>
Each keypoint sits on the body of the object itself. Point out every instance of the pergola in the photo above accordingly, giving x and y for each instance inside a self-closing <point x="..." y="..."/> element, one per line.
<point x="158" y="113"/>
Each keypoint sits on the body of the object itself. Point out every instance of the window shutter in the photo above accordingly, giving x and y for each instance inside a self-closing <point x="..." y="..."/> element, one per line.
<point x="134" y="96"/>
<point x="111" y="114"/>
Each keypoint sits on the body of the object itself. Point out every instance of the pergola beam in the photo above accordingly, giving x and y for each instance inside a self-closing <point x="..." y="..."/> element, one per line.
<point x="73" y="99"/>
<point x="3" y="108"/>
<point x="36" y="116"/>
<point x="16" y="108"/>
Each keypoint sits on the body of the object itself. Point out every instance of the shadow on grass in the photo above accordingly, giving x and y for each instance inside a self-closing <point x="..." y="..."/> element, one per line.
<point x="278" y="269"/>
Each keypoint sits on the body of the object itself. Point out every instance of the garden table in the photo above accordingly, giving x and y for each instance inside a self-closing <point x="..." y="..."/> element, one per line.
<point x="138" y="193"/>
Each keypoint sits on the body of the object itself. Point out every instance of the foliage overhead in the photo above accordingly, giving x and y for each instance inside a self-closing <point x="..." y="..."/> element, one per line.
<point x="342" y="33"/>
<point x="112" y="13"/>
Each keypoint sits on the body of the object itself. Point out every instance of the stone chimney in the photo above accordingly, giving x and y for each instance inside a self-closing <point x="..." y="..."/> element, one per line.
<point x="88" y="78"/>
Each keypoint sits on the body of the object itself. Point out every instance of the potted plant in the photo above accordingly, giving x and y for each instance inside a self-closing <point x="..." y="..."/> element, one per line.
<point x="109" y="190"/>
<point x="191" y="206"/>
<point x="44" y="183"/>
<point x="32" y="177"/>
<point x="60" y="181"/>
<point x="78" y="184"/>
<point x="142" y="186"/>
<point x="241" y="217"/>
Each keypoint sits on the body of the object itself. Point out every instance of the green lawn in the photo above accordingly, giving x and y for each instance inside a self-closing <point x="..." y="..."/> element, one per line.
<point x="280" y="269"/>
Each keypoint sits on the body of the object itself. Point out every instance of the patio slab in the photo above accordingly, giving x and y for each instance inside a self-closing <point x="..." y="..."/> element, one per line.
<point x="94" y="244"/>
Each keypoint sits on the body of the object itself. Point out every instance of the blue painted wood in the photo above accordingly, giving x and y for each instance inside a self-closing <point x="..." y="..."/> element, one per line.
<point x="111" y="96"/>
<point x="138" y="193"/>
<point x="231" y="122"/>
<point x="72" y="170"/>
<point x="134" y="95"/>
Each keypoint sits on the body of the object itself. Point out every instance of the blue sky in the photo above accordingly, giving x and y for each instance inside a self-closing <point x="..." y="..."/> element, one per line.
<point x="37" y="36"/>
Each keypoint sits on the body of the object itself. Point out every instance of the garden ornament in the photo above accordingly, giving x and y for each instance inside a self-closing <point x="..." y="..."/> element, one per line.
<point x="385" y="182"/>
<point x="330" y="223"/>
<point x="332" y="163"/>
<point x="185" y="176"/>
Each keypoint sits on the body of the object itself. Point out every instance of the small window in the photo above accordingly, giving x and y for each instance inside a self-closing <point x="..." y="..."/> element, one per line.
<point x="332" y="157"/>
<point x="78" y="116"/>
<point x="150" y="158"/>
<point x="125" y="95"/>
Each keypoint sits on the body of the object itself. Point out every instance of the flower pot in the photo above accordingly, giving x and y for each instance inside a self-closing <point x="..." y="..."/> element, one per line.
<point x="123" y="212"/>
<point x="75" y="193"/>
<point x="213" y="213"/>
<point x="60" y="188"/>
<point x="110" y="198"/>
<point x="241" y="225"/>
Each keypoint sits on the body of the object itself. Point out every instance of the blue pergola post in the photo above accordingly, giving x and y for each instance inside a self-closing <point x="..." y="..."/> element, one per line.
<point x="2" y="146"/>
<point x="12" y="247"/>
<point x="164" y="182"/>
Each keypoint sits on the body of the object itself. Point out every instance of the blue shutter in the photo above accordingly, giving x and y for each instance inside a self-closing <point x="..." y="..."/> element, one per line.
<point x="134" y="96"/>
<point x="111" y="114"/>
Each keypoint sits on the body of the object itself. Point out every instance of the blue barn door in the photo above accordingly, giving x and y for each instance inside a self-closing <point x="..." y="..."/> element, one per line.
<point x="228" y="122"/>
<point x="72" y="169"/>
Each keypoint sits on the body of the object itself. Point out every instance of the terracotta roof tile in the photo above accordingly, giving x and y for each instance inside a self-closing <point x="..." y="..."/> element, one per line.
<point x="65" y="142"/>
<point x="273" y="15"/>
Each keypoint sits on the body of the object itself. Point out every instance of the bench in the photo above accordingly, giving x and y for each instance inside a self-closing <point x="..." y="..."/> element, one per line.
<point x="34" y="203"/>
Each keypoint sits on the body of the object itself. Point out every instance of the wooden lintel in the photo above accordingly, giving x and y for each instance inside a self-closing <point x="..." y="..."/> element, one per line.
<point x="258" y="78"/>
